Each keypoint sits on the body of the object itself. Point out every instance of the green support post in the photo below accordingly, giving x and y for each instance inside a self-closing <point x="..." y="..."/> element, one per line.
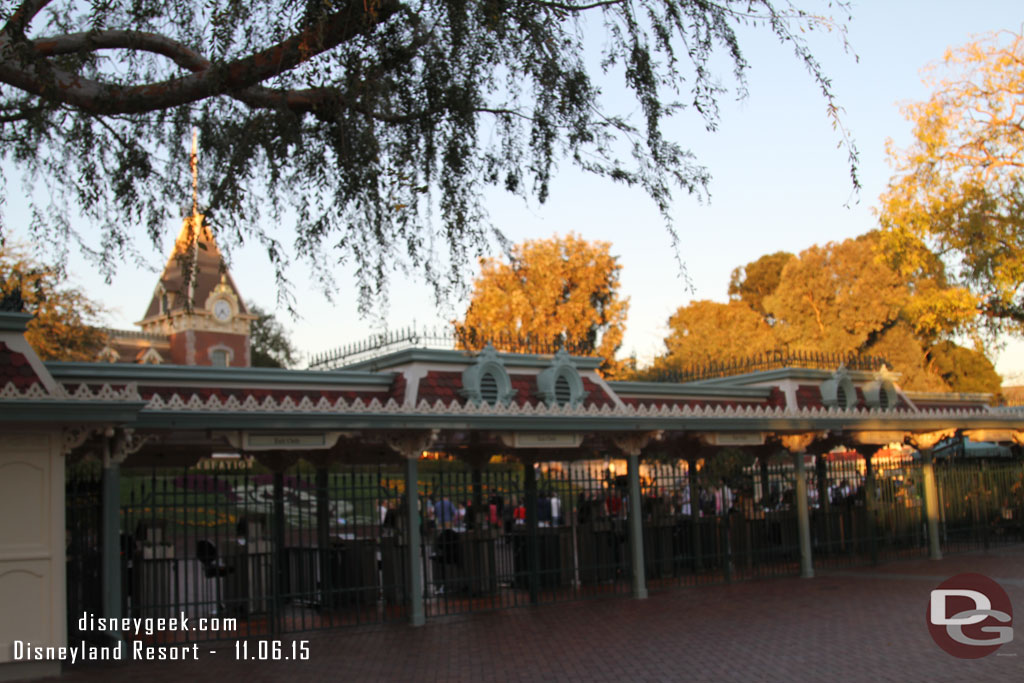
<point x="931" y="503"/>
<point x="413" y="547"/>
<point x="803" y="518"/>
<point x="636" y="531"/>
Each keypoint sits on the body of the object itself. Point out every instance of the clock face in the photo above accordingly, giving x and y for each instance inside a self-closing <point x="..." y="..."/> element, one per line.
<point x="222" y="310"/>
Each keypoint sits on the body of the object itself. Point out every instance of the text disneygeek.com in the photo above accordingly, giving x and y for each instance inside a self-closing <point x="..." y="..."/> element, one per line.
<point x="122" y="649"/>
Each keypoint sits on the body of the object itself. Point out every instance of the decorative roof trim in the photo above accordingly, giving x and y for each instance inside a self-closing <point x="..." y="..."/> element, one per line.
<point x="37" y="392"/>
<point x="207" y="376"/>
<point x="193" y="402"/>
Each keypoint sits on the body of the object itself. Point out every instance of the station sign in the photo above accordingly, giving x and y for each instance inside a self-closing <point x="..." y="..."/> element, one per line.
<point x="283" y="441"/>
<point x="733" y="438"/>
<point x="543" y="440"/>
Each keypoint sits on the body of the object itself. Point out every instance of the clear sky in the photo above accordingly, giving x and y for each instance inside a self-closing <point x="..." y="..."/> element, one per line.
<point x="779" y="183"/>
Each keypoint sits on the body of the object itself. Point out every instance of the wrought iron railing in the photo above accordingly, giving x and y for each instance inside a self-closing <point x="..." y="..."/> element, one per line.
<point x="413" y="337"/>
<point x="771" y="360"/>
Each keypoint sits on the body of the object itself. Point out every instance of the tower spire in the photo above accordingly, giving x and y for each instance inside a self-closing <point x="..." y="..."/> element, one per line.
<point x="194" y="164"/>
<point x="195" y="220"/>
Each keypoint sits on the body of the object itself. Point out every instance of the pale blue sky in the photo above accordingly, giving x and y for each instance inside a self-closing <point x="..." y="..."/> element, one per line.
<point x="778" y="183"/>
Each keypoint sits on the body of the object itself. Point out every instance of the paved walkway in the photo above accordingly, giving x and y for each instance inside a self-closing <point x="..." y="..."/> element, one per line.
<point x="853" y="625"/>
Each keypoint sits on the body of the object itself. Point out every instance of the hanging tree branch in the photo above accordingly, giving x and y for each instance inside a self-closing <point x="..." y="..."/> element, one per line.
<point x="375" y="124"/>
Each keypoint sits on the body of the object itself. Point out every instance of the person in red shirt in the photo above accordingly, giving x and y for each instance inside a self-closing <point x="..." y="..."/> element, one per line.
<point x="519" y="514"/>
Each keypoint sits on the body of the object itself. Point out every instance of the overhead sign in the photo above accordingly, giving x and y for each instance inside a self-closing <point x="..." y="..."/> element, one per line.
<point x="253" y="441"/>
<point x="283" y="441"/>
<point x="545" y="440"/>
<point x="733" y="438"/>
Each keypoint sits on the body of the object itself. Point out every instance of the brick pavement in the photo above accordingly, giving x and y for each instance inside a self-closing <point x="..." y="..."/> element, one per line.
<point x="853" y="625"/>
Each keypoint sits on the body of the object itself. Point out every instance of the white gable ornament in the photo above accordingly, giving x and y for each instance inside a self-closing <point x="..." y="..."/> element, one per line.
<point x="838" y="391"/>
<point x="560" y="384"/>
<point x="486" y="382"/>
<point x="881" y="392"/>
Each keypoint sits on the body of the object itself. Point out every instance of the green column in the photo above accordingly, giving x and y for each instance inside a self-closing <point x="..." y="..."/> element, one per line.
<point x="803" y="519"/>
<point x="414" y="587"/>
<point x="636" y="531"/>
<point x="931" y="503"/>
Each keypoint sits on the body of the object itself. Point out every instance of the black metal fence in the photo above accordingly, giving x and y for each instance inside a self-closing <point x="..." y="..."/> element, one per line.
<point x="769" y="360"/>
<point x="83" y="499"/>
<point x="255" y="552"/>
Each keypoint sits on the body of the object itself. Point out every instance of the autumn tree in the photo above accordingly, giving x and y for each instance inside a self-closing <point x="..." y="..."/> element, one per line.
<point x="373" y="126"/>
<point x="958" y="189"/>
<point x="833" y="298"/>
<point x="963" y="369"/>
<point x="563" y="290"/>
<point x="844" y="298"/>
<point x="270" y="344"/>
<point x="756" y="280"/>
<point x="710" y="332"/>
<point x="840" y="298"/>
<point x="63" y="326"/>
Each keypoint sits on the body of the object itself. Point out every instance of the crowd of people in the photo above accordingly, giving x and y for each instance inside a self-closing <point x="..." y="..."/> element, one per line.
<point x="557" y="507"/>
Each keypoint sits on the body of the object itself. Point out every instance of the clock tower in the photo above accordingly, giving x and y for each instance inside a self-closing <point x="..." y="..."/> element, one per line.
<point x="196" y="305"/>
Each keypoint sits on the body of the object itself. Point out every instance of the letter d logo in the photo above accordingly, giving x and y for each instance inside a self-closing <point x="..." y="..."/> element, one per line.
<point x="938" y="607"/>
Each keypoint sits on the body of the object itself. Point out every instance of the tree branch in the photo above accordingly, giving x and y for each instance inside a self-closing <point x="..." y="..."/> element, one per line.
<point x="23" y="16"/>
<point x="19" y="111"/>
<point x="564" y="7"/>
<point x="97" y="98"/>
<point x="88" y="41"/>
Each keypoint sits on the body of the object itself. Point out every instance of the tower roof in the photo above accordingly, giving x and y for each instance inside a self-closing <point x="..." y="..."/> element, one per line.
<point x="194" y="269"/>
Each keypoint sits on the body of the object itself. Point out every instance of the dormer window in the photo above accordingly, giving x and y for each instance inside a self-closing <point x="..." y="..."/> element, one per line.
<point x="881" y="393"/>
<point x="487" y="381"/>
<point x="838" y="391"/>
<point x="560" y="384"/>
